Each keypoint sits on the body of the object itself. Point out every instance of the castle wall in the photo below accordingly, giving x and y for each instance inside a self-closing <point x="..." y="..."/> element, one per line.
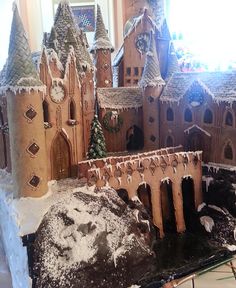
<point x="152" y="168"/>
<point x="103" y="68"/>
<point x="88" y="104"/>
<point x="27" y="140"/>
<point x="118" y="141"/>
<point x="219" y="133"/>
<point x="59" y="115"/>
<point x="151" y="117"/>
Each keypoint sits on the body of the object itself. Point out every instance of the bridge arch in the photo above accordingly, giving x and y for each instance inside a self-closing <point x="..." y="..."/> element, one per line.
<point x="144" y="195"/>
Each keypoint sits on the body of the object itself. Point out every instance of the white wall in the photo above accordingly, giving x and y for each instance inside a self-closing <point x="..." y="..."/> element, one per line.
<point x="38" y="18"/>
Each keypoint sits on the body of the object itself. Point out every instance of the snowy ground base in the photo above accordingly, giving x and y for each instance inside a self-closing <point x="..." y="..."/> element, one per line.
<point x="5" y="276"/>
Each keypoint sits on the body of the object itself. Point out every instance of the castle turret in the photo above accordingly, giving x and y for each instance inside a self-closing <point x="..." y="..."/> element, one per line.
<point x="102" y="49"/>
<point x="172" y="65"/>
<point x="23" y="91"/>
<point x="152" y="85"/>
<point x="163" y="43"/>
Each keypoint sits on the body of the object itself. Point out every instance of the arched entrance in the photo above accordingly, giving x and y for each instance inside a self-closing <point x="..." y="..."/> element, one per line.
<point x="123" y="194"/>
<point x="60" y="158"/>
<point x="167" y="206"/>
<point x="135" y="138"/>
<point x="198" y="139"/>
<point x="195" y="142"/>
<point x="144" y="194"/>
<point x="189" y="203"/>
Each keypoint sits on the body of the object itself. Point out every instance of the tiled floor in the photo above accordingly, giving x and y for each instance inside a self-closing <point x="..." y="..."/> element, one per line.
<point x="221" y="277"/>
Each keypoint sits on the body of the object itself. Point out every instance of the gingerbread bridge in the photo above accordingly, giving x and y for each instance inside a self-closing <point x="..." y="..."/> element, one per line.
<point x="151" y="169"/>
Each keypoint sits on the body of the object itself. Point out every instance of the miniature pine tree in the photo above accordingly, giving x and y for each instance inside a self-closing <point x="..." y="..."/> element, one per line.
<point x="97" y="145"/>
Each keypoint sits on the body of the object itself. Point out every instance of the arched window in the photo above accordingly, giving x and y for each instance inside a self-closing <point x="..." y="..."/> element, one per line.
<point x="169" y="114"/>
<point x="208" y="117"/>
<point x="45" y="112"/>
<point x="72" y="110"/>
<point x="229" y="119"/>
<point x="169" y="142"/>
<point x="1" y="117"/>
<point x="188" y="117"/>
<point x="228" y="152"/>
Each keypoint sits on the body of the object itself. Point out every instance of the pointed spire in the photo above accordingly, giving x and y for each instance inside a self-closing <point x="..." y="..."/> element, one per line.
<point x="101" y="39"/>
<point x="151" y="75"/>
<point x="164" y="32"/>
<point x="64" y="20"/>
<point x="52" y="40"/>
<point x="20" y="70"/>
<point x="173" y="65"/>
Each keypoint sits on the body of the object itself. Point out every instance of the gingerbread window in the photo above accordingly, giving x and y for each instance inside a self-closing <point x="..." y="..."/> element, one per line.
<point x="169" y="114"/>
<point x="45" y="112"/>
<point x="188" y="116"/>
<point x="208" y="117"/>
<point x="228" y="152"/>
<point x="229" y="119"/>
<point x="169" y="142"/>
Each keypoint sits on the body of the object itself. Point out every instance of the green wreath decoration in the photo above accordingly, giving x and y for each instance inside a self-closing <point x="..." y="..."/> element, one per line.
<point x="112" y="129"/>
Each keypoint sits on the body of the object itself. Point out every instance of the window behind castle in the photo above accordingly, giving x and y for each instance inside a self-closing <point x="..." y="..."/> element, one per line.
<point x="208" y="117"/>
<point x="169" y="114"/>
<point x="228" y="152"/>
<point x="188" y="117"/>
<point x="229" y="119"/>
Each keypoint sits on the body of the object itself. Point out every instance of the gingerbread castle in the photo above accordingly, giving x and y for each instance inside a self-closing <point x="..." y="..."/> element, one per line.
<point x="143" y="103"/>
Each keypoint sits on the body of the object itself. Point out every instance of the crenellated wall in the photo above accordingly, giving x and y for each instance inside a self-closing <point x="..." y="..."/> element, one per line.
<point x="152" y="169"/>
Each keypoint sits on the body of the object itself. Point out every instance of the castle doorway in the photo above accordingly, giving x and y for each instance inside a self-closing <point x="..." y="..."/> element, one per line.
<point x="60" y="158"/>
<point x="144" y="195"/>
<point x="134" y="138"/>
<point x="198" y="139"/>
<point x="189" y="203"/>
<point x="167" y="207"/>
<point x="195" y="142"/>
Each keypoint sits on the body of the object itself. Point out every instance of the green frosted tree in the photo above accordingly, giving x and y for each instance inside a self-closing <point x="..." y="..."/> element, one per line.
<point x="97" y="145"/>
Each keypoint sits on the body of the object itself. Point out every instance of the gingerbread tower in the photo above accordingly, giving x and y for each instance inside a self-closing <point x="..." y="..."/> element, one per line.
<point x="102" y="49"/>
<point x="24" y="94"/>
<point x="67" y="71"/>
<point x="152" y="85"/>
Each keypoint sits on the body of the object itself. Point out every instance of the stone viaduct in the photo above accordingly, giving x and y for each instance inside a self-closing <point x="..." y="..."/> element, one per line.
<point x="151" y="170"/>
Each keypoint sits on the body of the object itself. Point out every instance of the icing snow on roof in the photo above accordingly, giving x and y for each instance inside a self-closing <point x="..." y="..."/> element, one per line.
<point x="101" y="39"/>
<point x="220" y="85"/>
<point x="20" y="72"/>
<point x="66" y="33"/>
<point x="119" y="98"/>
<point x="151" y="76"/>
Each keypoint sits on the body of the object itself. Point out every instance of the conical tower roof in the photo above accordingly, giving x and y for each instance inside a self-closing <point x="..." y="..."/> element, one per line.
<point x="164" y="32"/>
<point x="101" y="39"/>
<point x="20" y="70"/>
<point x="151" y="74"/>
<point x="173" y="66"/>
<point x="64" y="20"/>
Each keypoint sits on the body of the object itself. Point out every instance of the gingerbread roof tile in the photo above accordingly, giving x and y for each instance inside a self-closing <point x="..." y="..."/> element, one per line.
<point x="151" y="75"/>
<point x="173" y="65"/>
<point x="20" y="71"/>
<point x="101" y="39"/>
<point x="64" y="20"/>
<point x="119" y="98"/>
<point x="220" y="85"/>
